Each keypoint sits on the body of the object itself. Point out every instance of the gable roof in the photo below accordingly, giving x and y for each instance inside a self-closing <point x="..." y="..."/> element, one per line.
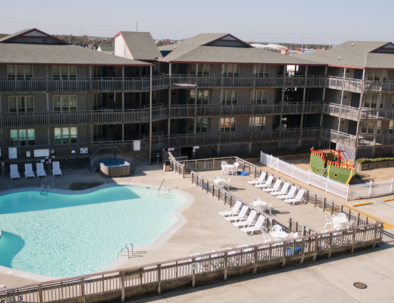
<point x="202" y="48"/>
<point x="141" y="45"/>
<point x="353" y="54"/>
<point x="28" y="31"/>
<point x="14" y="53"/>
<point x="218" y="54"/>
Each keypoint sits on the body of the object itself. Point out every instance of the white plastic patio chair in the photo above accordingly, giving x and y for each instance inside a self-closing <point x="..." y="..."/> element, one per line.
<point x="40" y="170"/>
<point x="232" y="211"/>
<point x="29" y="171"/>
<point x="227" y="184"/>
<point x="350" y="224"/>
<point x="259" y="180"/>
<point x="274" y="188"/>
<point x="341" y="215"/>
<point x="298" y="198"/>
<point x="290" y="194"/>
<point x="283" y="190"/>
<point x="234" y="169"/>
<point x="14" y="174"/>
<point x="56" y="169"/>
<point x="248" y="221"/>
<point x="276" y="228"/>
<point x="267" y="183"/>
<point x="328" y="221"/>
<point x="268" y="208"/>
<point x="239" y="216"/>
<point x="223" y="163"/>
<point x="256" y="227"/>
<point x="216" y="179"/>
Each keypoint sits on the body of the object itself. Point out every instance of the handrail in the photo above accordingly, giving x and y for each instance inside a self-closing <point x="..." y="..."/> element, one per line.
<point x="158" y="191"/>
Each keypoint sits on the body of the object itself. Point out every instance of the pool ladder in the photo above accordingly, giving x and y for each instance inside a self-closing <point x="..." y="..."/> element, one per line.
<point x="128" y="250"/>
<point x="163" y="183"/>
<point x="44" y="191"/>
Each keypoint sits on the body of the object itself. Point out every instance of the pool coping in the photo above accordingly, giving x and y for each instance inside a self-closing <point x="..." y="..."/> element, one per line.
<point x="181" y="220"/>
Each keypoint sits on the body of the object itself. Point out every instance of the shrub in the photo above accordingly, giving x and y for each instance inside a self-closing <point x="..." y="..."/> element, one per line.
<point x="374" y="160"/>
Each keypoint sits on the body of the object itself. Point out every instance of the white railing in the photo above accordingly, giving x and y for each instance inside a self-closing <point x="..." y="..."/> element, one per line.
<point x="352" y="192"/>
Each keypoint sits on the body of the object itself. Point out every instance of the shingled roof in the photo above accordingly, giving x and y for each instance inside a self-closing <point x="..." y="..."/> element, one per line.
<point x="25" y="33"/>
<point x="196" y="50"/>
<point x="353" y="54"/>
<point x="12" y="53"/>
<point x="141" y="45"/>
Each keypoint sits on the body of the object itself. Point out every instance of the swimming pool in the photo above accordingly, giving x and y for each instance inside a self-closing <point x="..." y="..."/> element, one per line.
<point x="64" y="235"/>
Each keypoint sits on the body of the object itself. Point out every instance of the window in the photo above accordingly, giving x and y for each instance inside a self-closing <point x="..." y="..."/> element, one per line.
<point x="377" y="74"/>
<point x="202" y="96"/>
<point x="203" y="69"/>
<point x="348" y="71"/>
<point x="378" y="127"/>
<point x="371" y="100"/>
<point x="65" y="135"/>
<point x="392" y="101"/>
<point x="367" y="127"/>
<point x="263" y="71"/>
<point x="256" y="123"/>
<point x="391" y="127"/>
<point x="230" y="97"/>
<point x="382" y="100"/>
<point x="22" y="137"/>
<point x="64" y="104"/>
<point x="198" y="125"/>
<point x="260" y="97"/>
<point x="19" y="72"/>
<point x="64" y="72"/>
<point x="21" y="104"/>
<point x="345" y="96"/>
<point x="230" y="70"/>
<point x="227" y="125"/>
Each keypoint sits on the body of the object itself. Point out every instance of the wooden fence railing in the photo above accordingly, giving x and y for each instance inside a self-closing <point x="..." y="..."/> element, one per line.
<point x="195" y="270"/>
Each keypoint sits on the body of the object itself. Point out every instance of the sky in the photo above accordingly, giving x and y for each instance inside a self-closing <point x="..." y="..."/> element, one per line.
<point x="295" y="21"/>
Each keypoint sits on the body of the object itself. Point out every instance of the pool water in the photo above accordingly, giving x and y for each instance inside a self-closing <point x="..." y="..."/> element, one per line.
<point x="64" y="235"/>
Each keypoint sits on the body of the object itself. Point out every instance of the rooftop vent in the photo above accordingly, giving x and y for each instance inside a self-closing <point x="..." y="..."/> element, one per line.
<point x="339" y="58"/>
<point x="352" y="44"/>
<point x="174" y="47"/>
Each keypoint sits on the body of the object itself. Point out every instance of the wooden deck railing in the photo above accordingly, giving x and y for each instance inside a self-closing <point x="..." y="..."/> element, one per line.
<point x="195" y="270"/>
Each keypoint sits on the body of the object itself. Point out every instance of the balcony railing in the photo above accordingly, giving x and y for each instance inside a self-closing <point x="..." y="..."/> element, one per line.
<point x="357" y="86"/>
<point x="354" y="113"/>
<point x="8" y="120"/>
<point x="189" y="81"/>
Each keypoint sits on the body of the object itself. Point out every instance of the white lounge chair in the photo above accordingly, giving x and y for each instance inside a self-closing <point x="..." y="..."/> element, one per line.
<point x="289" y="195"/>
<point x="298" y="198"/>
<point x="29" y="171"/>
<point x="56" y="168"/>
<point x="239" y="216"/>
<point x="248" y="221"/>
<point x="328" y="222"/>
<point x="233" y="211"/>
<point x="283" y="190"/>
<point x="259" y="180"/>
<point x="267" y="183"/>
<point x="40" y="171"/>
<point x="256" y="227"/>
<point x="14" y="174"/>
<point x="274" y="188"/>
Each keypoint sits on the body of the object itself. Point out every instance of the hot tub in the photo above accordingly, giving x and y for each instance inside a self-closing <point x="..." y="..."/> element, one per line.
<point x="115" y="168"/>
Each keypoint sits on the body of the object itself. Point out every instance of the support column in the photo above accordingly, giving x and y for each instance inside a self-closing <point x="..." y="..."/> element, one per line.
<point x="340" y="109"/>
<point x="1" y="129"/>
<point x="169" y="103"/>
<point x="122" y="117"/>
<point x="48" y="130"/>
<point x="359" y="107"/>
<point x="150" y="114"/>
<point x="304" y="96"/>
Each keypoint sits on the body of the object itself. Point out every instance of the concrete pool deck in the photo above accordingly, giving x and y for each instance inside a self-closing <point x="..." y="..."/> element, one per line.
<point x="205" y="230"/>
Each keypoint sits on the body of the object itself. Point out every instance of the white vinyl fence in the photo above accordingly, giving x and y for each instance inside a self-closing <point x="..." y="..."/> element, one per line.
<point x="349" y="192"/>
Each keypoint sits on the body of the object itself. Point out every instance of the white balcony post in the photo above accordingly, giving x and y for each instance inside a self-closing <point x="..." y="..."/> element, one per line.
<point x="391" y="188"/>
<point x="169" y="102"/>
<point x="370" y="189"/>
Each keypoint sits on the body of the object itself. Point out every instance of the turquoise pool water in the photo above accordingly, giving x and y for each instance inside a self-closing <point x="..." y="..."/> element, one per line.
<point x="64" y="235"/>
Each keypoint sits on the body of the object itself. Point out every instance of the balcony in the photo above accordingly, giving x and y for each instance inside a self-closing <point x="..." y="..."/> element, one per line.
<point x="218" y="81"/>
<point x="210" y="110"/>
<point x="354" y="113"/>
<point x="357" y="86"/>
<point x="353" y="141"/>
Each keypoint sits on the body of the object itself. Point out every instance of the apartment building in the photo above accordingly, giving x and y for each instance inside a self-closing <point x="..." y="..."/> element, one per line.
<point x="359" y="101"/>
<point x="212" y="94"/>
